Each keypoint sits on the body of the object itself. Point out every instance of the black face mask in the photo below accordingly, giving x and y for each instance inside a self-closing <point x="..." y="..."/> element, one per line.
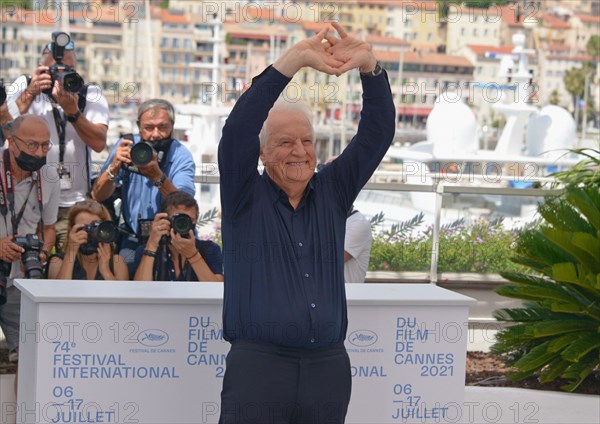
<point x="89" y="248"/>
<point x="161" y="145"/>
<point x="29" y="163"/>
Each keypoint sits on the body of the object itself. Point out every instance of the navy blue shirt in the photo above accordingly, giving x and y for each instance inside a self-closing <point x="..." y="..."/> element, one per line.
<point x="210" y="251"/>
<point x="284" y="268"/>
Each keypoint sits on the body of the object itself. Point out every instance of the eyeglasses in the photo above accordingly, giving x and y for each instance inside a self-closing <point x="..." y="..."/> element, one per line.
<point x="162" y="128"/>
<point x="70" y="46"/>
<point x="33" y="146"/>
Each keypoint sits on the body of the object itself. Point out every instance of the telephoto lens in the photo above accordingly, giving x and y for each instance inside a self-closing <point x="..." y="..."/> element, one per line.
<point x="107" y="232"/>
<point x="182" y="224"/>
<point x="102" y="231"/>
<point x="142" y="153"/>
<point x="71" y="81"/>
<point x="31" y="257"/>
<point x="32" y="265"/>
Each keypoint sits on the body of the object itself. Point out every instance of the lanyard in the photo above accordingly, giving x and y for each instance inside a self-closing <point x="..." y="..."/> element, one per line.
<point x="61" y="127"/>
<point x="7" y="196"/>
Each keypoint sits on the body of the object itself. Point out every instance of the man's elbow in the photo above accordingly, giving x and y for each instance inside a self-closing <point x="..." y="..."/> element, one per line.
<point x="99" y="143"/>
<point x="97" y="193"/>
<point x="347" y="256"/>
<point x="99" y="147"/>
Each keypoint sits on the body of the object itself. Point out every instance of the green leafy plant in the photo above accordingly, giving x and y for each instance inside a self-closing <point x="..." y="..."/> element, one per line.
<point x="484" y="246"/>
<point x="557" y="331"/>
<point x="207" y="217"/>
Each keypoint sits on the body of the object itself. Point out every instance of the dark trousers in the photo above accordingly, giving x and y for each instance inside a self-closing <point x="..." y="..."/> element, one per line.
<point x="270" y="385"/>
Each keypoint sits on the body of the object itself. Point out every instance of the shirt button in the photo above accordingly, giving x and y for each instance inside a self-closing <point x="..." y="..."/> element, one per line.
<point x="312" y="305"/>
<point x="300" y="244"/>
<point x="312" y="340"/>
<point x="306" y="275"/>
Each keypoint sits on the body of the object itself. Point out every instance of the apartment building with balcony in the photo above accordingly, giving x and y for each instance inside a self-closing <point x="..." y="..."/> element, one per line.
<point x="467" y="25"/>
<point x="176" y="49"/>
<point x="583" y="27"/>
<point x="555" y="62"/>
<point x="355" y="15"/>
<point x="416" y="22"/>
<point x="425" y="77"/>
<point x="552" y="29"/>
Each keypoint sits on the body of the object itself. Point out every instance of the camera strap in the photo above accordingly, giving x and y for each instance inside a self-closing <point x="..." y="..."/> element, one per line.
<point x="61" y="126"/>
<point x="7" y="199"/>
<point x="163" y="272"/>
<point x="60" y="122"/>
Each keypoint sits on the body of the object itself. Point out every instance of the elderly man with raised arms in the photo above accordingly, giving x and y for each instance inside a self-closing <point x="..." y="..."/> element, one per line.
<point x="285" y="309"/>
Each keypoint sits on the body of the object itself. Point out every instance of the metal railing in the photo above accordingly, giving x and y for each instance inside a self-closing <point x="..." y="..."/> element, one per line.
<point x="439" y="184"/>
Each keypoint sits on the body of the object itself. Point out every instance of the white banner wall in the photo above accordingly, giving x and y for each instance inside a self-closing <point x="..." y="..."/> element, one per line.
<point x="132" y="352"/>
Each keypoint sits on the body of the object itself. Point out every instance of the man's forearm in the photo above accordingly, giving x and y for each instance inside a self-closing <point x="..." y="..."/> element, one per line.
<point x="5" y="115"/>
<point x="24" y="101"/>
<point x="49" y="237"/>
<point x="94" y="135"/>
<point x="202" y="270"/>
<point x="288" y="64"/>
<point x="103" y="187"/>
<point x="144" y="270"/>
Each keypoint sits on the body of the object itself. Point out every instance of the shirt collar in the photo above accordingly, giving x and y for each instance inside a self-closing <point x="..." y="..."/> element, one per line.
<point x="282" y="195"/>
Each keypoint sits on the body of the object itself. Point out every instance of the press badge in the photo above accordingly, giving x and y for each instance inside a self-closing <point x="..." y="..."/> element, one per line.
<point x="65" y="181"/>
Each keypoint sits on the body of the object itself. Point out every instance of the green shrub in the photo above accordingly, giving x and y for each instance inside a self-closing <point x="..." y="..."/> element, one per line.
<point x="483" y="247"/>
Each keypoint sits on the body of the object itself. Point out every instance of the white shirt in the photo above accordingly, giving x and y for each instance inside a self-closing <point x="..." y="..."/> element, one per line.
<point x="358" y="245"/>
<point x="76" y="151"/>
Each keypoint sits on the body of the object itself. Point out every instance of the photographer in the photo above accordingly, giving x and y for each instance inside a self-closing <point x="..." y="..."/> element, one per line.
<point x="28" y="206"/>
<point x="168" y="167"/>
<point x="86" y="256"/>
<point x="77" y="121"/>
<point x="172" y="252"/>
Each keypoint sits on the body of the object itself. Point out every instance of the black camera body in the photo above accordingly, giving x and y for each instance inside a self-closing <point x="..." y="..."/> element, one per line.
<point x="181" y="224"/>
<point x="70" y="80"/>
<point x="31" y="257"/>
<point x="102" y="231"/>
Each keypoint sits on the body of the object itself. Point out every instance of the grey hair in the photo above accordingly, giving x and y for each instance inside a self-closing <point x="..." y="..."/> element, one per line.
<point x="283" y="105"/>
<point x="154" y="104"/>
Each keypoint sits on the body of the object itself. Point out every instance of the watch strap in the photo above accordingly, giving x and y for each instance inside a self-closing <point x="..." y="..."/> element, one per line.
<point x="74" y="117"/>
<point x="375" y="72"/>
<point x="158" y="183"/>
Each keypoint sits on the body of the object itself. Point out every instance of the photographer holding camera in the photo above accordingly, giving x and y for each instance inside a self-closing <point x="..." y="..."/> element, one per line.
<point x="88" y="254"/>
<point x="28" y="209"/>
<point x="173" y="253"/>
<point x="76" y="114"/>
<point x="146" y="168"/>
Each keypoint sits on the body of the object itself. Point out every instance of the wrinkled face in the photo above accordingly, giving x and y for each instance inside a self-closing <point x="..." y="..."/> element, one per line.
<point x="32" y="137"/>
<point x="155" y="124"/>
<point x="289" y="155"/>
